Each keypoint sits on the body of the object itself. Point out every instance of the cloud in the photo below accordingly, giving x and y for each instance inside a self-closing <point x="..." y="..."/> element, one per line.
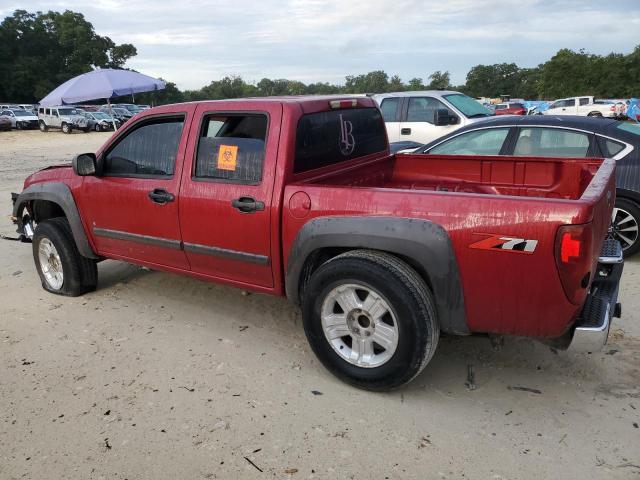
<point x="193" y="42"/>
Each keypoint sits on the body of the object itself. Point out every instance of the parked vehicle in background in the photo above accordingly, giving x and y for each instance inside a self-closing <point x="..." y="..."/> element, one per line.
<point x="10" y="106"/>
<point x="382" y="252"/>
<point x="423" y="116"/>
<point x="63" y="117"/>
<point x="144" y="107"/>
<point x="618" y="106"/>
<point x="89" y="108"/>
<point x="567" y="136"/>
<point x="510" y="108"/>
<point x="5" y="123"/>
<point x="21" y="119"/>
<point x="581" y="106"/>
<point x="102" y="122"/>
<point x="132" y="108"/>
<point x="121" y="114"/>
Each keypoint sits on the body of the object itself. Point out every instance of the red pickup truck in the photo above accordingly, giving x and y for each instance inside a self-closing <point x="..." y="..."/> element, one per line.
<point x="299" y="196"/>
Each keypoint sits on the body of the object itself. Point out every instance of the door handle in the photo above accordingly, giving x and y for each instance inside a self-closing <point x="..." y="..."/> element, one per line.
<point x="247" y="204"/>
<point x="161" y="196"/>
<point x="405" y="131"/>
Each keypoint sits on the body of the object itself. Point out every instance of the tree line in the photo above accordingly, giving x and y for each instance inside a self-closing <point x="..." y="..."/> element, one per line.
<point x="39" y="51"/>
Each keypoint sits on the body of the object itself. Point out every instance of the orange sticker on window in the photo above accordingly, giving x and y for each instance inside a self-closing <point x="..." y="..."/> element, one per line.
<point x="227" y="157"/>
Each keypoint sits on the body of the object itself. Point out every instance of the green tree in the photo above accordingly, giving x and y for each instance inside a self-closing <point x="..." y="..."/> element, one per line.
<point x="39" y="51"/>
<point x="439" y="80"/>
<point x="372" y="82"/>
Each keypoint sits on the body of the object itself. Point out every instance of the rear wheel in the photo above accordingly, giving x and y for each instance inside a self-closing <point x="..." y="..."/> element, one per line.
<point x="624" y="225"/>
<point x="61" y="268"/>
<point x="370" y="319"/>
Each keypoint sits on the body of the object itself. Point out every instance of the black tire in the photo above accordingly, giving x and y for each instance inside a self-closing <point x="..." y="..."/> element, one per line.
<point x="97" y="127"/>
<point x="18" y="125"/>
<point x="633" y="209"/>
<point x="80" y="274"/>
<point x="407" y="295"/>
<point x="594" y="114"/>
<point x="66" y="128"/>
<point x="43" y="126"/>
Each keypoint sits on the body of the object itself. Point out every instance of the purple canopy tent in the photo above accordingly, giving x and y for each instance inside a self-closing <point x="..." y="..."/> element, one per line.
<point x="102" y="83"/>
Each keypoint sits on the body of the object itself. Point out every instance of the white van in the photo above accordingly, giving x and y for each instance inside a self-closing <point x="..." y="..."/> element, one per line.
<point x="423" y="116"/>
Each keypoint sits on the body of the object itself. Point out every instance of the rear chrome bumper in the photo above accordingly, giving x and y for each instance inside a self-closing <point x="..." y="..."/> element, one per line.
<point x="593" y="324"/>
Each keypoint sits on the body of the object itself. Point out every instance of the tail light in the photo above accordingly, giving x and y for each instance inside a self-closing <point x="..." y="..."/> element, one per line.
<point x="574" y="255"/>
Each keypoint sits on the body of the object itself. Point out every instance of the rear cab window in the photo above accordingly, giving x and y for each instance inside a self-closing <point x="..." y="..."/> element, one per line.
<point x="336" y="136"/>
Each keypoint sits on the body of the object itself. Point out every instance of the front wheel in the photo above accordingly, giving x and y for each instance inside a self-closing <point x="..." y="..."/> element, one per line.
<point x="624" y="225"/>
<point x="66" y="128"/>
<point x="61" y="268"/>
<point x="43" y="126"/>
<point x="370" y="319"/>
<point x="97" y="127"/>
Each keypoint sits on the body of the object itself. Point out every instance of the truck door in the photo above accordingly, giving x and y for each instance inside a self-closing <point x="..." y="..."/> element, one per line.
<point x="418" y="123"/>
<point x="227" y="190"/>
<point x="132" y="208"/>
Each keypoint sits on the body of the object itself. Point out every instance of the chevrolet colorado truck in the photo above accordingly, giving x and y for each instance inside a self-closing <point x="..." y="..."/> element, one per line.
<point x="300" y="197"/>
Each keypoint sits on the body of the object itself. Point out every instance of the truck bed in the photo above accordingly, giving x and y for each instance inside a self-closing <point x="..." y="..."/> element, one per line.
<point x="497" y="175"/>
<point x="474" y="198"/>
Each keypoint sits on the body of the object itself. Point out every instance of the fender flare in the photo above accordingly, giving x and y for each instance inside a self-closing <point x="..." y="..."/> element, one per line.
<point x="423" y="242"/>
<point x="60" y="194"/>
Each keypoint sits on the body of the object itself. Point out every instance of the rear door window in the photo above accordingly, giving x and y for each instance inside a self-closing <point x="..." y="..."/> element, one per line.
<point x="551" y="142"/>
<point x="477" y="142"/>
<point x="327" y="138"/>
<point x="610" y="148"/>
<point x="232" y="148"/>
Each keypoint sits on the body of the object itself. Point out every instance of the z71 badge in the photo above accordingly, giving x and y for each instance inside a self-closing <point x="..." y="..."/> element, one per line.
<point x="506" y="244"/>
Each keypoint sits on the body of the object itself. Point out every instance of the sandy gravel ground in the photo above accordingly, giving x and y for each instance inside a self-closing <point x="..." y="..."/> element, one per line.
<point x="156" y="376"/>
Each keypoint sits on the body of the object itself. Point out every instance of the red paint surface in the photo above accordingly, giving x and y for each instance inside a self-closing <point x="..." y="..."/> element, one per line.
<point x="504" y="292"/>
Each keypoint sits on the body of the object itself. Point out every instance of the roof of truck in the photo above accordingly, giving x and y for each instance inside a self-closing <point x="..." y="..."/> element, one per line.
<point x="292" y="99"/>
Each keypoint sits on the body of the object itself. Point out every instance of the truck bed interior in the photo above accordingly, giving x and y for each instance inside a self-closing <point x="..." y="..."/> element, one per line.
<point x="565" y="178"/>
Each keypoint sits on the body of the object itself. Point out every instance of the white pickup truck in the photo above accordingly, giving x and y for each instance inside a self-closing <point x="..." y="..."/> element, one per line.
<point x="585" y="106"/>
<point x="422" y="116"/>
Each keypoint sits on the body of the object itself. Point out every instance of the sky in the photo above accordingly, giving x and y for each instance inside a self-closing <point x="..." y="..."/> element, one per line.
<point x="192" y="42"/>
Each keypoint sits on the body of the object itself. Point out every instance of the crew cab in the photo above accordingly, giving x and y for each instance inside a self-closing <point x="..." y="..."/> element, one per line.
<point x="586" y="106"/>
<point x="300" y="197"/>
<point x="423" y="116"/>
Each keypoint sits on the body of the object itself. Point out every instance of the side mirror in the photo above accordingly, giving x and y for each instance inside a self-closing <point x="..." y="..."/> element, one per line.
<point x="85" y="164"/>
<point x="443" y="118"/>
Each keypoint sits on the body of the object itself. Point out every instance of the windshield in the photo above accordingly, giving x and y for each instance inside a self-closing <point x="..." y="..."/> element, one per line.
<point x="101" y="116"/>
<point x="468" y="106"/>
<point x="22" y="113"/>
<point x="630" y="127"/>
<point x="67" y="111"/>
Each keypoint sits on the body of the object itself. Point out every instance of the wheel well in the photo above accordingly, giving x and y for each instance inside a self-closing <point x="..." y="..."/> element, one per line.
<point x="628" y="195"/>
<point x="322" y="255"/>
<point x="45" y="209"/>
